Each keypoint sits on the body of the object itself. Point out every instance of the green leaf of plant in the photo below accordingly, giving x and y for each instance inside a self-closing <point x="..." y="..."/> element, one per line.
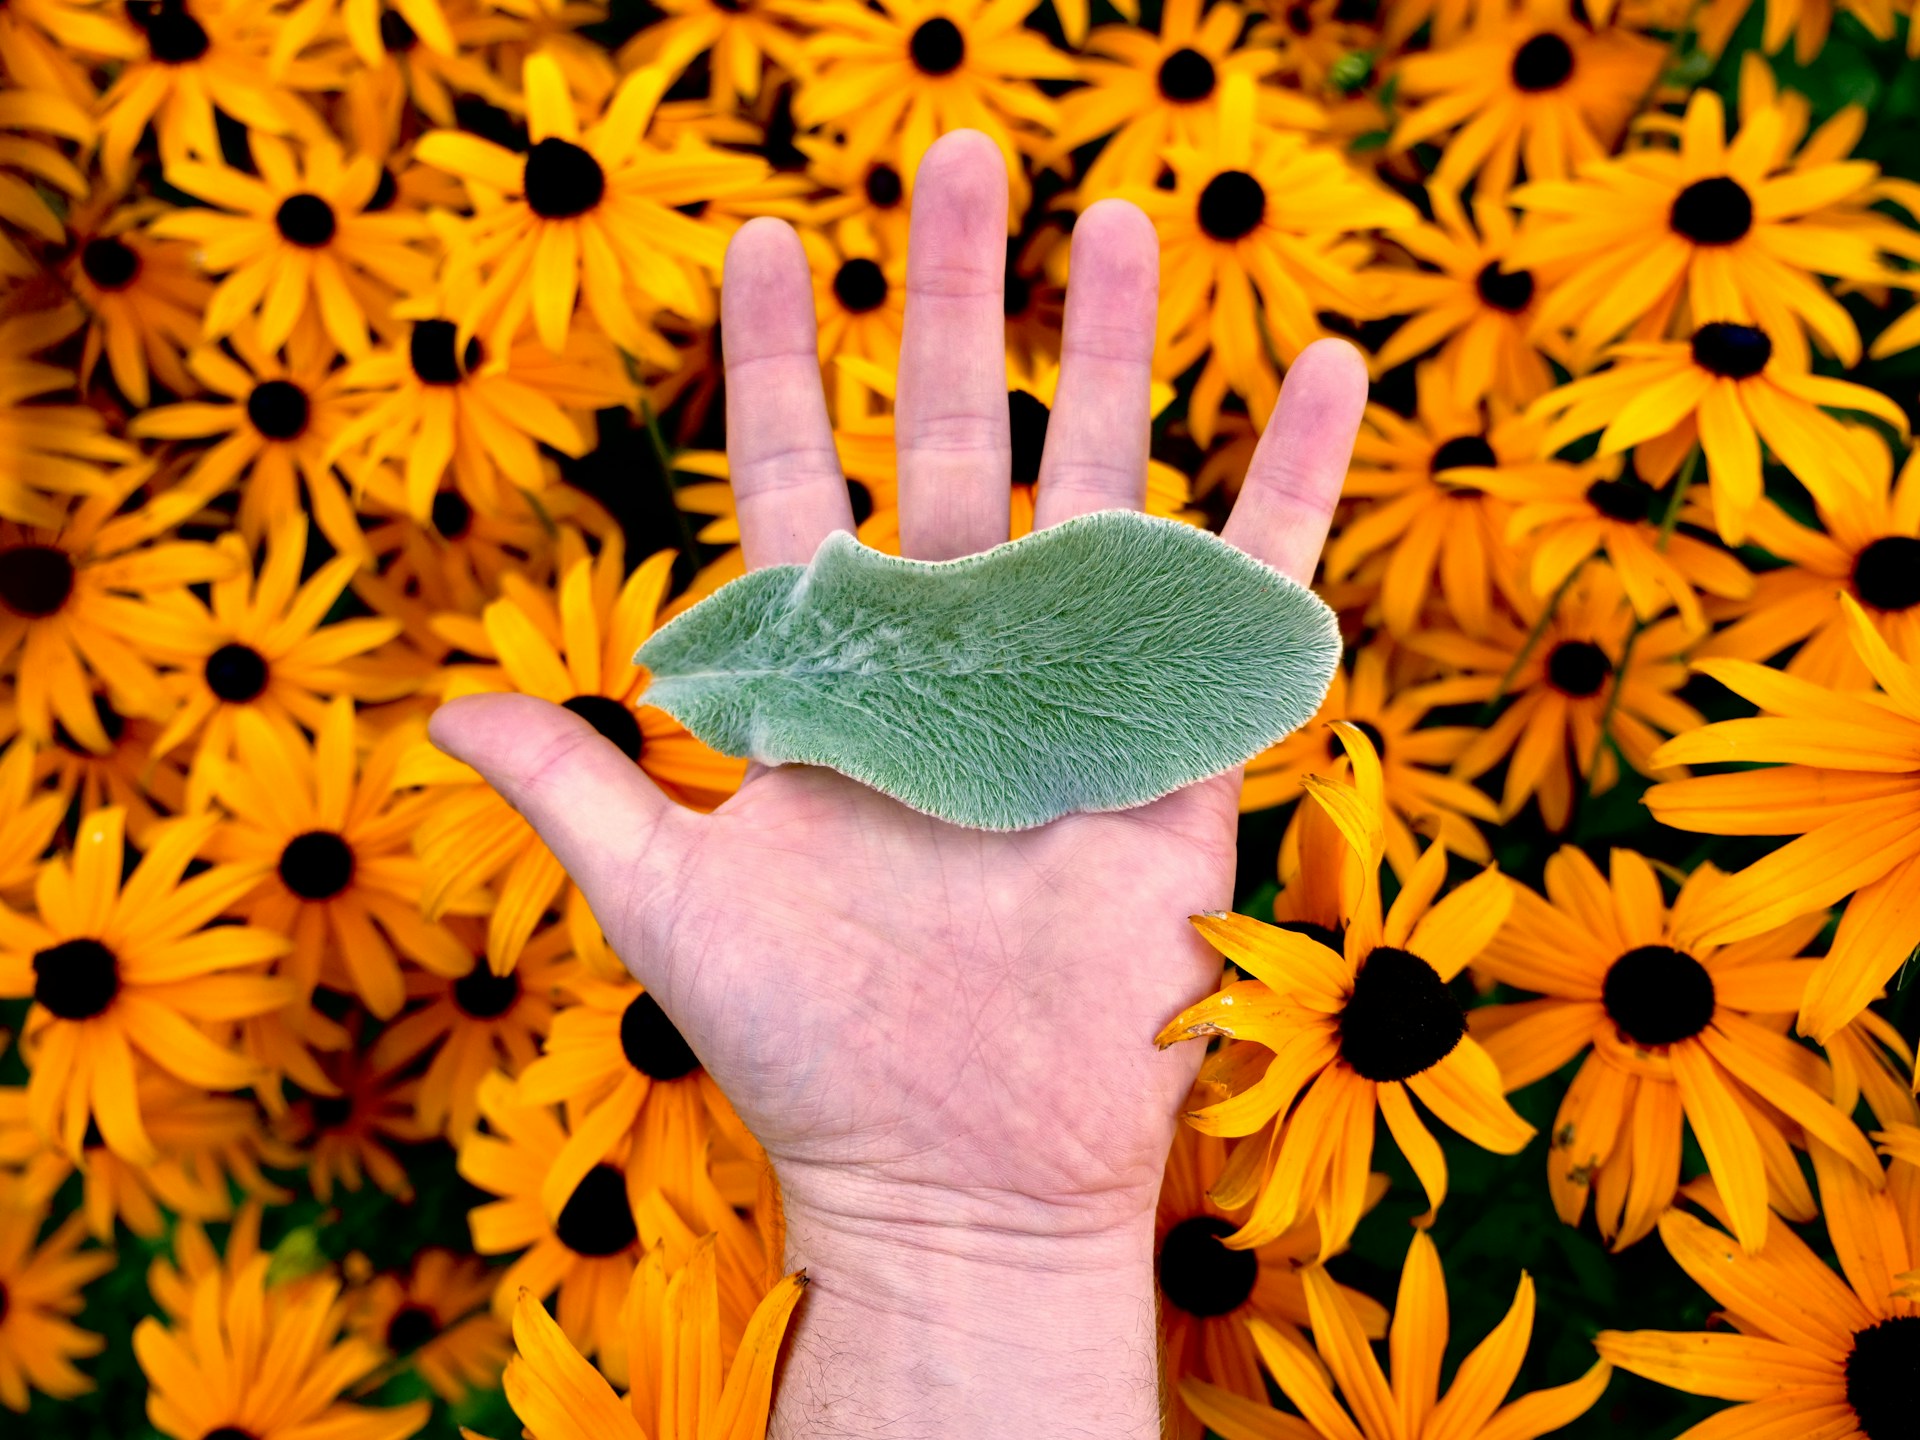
<point x="1095" y="665"/>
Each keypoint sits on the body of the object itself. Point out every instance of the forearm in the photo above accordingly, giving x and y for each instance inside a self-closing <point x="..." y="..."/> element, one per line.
<point x="945" y="1328"/>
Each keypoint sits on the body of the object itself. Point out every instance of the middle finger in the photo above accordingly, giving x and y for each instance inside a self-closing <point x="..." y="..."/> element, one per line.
<point x="950" y="418"/>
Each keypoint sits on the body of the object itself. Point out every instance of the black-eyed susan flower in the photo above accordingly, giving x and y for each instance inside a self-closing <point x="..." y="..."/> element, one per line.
<point x="433" y="1319"/>
<point x="1869" y="548"/>
<point x="574" y="648"/>
<point x="1408" y="1406"/>
<point x="1355" y="1034"/>
<point x="913" y="69"/>
<point x="443" y="413"/>
<point x="455" y="561"/>
<point x="1258" y="226"/>
<point x="588" y="213"/>
<point x="1845" y="780"/>
<point x="742" y="40"/>
<point x="196" y="56"/>
<point x="1420" y="797"/>
<point x="1806" y="1351"/>
<point x="330" y="843"/>
<point x="1667" y="1017"/>
<point x="348" y="1135"/>
<point x="226" y="1370"/>
<point x="208" y="1146"/>
<point x="868" y="190"/>
<point x="1309" y="38"/>
<point x="1590" y="688"/>
<point x="123" y="967"/>
<point x="144" y="298"/>
<point x="297" y="242"/>
<point x="860" y="296"/>
<point x="46" y="450"/>
<point x="125" y="773"/>
<point x="674" y="1333"/>
<point x="33" y="120"/>
<point x="1444" y="529"/>
<point x="1567" y="514"/>
<point x="263" y="644"/>
<point x="587" y="1254"/>
<point x="1526" y="84"/>
<point x="42" y="1280"/>
<point x="1717" y="229"/>
<point x="1208" y="1292"/>
<point x="397" y="70"/>
<point x="1476" y="302"/>
<point x="620" y="1067"/>
<point x="271" y="420"/>
<point x="1145" y="91"/>
<point x="473" y="1023"/>
<point x="1725" y="389"/>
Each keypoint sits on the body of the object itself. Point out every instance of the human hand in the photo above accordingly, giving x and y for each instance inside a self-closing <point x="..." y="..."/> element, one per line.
<point x="943" y="1037"/>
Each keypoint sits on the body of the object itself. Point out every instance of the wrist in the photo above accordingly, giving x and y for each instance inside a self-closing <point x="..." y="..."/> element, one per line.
<point x="949" y="1321"/>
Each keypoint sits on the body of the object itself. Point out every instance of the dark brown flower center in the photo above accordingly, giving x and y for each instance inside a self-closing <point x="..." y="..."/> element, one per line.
<point x="597" y="1221"/>
<point x="1733" y="352"/>
<point x="483" y="995"/>
<point x="331" y="1112"/>
<point x="305" y="220"/>
<point x="35" y="580"/>
<point x="452" y="515"/>
<point x="562" y="180"/>
<point x="173" y="36"/>
<point x="1545" y="62"/>
<point x="652" y="1044"/>
<point x="1578" y="668"/>
<point x="1232" y="205"/>
<point x="236" y="673"/>
<point x="396" y="35"/>
<point x="1657" y="995"/>
<point x="1883" y="1376"/>
<point x="612" y="719"/>
<point x="1717" y="211"/>
<point x="937" y="47"/>
<point x="110" y="263"/>
<point x="229" y="1432"/>
<point x="1509" y="291"/>
<point x="430" y="351"/>
<point x="1186" y="76"/>
<point x="860" y="285"/>
<point x="1200" y="1275"/>
<point x="1463" y="450"/>
<point x="1629" y="499"/>
<point x="1887" y="573"/>
<point x="411" y="1327"/>
<point x="1027" y="421"/>
<point x="76" y="979"/>
<point x="317" y="865"/>
<point x="1401" y="1018"/>
<point x="279" y="409"/>
<point x="883" y="187"/>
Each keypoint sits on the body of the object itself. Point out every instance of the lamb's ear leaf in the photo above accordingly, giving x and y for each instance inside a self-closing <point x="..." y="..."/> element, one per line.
<point x="1095" y="665"/>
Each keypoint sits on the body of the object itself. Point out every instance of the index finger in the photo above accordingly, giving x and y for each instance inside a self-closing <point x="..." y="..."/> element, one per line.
<point x="787" y="488"/>
<point x="1300" y="463"/>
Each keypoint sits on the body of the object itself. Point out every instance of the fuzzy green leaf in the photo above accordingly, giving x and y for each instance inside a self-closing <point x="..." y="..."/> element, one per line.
<point x="1095" y="665"/>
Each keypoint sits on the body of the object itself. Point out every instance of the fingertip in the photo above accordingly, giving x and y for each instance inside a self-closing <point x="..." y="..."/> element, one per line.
<point x="1334" y="369"/>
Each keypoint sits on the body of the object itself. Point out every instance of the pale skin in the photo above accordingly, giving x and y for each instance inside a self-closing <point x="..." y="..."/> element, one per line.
<point x="942" y="1036"/>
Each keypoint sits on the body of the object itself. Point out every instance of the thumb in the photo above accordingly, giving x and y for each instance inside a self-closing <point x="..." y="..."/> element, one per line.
<point x="611" y="828"/>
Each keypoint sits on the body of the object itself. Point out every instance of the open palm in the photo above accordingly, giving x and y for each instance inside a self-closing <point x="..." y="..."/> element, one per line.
<point x="918" y="1019"/>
